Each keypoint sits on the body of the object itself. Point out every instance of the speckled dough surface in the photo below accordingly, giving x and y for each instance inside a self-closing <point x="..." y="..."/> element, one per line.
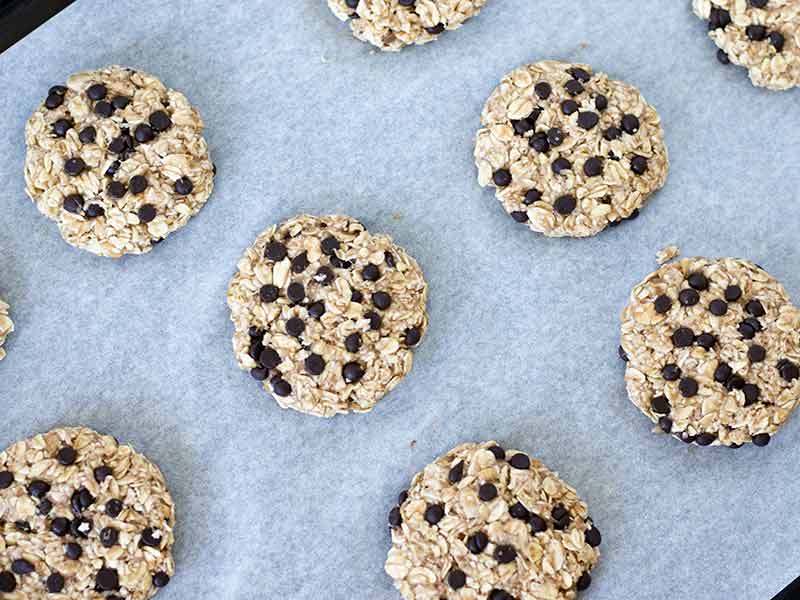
<point x="713" y="348"/>
<point x="484" y="523"/>
<point x="326" y="314"/>
<point x="568" y="151"/>
<point x="6" y="327"/>
<point x="82" y="517"/>
<point x="117" y="160"/>
<point x="761" y="35"/>
<point x="393" y="24"/>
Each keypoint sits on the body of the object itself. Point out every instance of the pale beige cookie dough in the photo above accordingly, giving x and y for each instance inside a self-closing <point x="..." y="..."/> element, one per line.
<point x="484" y="523"/>
<point x="393" y="24"/>
<point x="6" y="327"/>
<point x="761" y="35"/>
<point x="326" y="314"/>
<point x="712" y="350"/>
<point x="568" y="151"/>
<point x="82" y="517"/>
<point x="117" y="160"/>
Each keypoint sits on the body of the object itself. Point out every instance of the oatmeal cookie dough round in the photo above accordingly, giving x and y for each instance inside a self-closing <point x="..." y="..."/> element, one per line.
<point x="117" y="160"/>
<point x="326" y="314"/>
<point x="761" y="35"/>
<point x="393" y="24"/>
<point x="484" y="523"/>
<point x="6" y="327"/>
<point x="83" y="517"/>
<point x="568" y="151"/>
<point x="712" y="350"/>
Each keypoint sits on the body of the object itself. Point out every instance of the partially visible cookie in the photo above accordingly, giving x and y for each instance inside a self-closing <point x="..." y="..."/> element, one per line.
<point x="117" y="160"/>
<point x="713" y="351"/>
<point x="326" y="314"/>
<point x="393" y="24"/>
<point x="568" y="151"/>
<point x="761" y="35"/>
<point x="484" y="523"/>
<point x="83" y="517"/>
<point x="6" y="327"/>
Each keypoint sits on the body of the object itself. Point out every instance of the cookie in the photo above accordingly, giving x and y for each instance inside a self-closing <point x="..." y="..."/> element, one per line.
<point x="568" y="151"/>
<point x="393" y="24"/>
<point x="81" y="516"/>
<point x="712" y="350"/>
<point x="326" y="314"/>
<point x="6" y="327"/>
<point x="117" y="160"/>
<point x="484" y="523"/>
<point x="761" y="35"/>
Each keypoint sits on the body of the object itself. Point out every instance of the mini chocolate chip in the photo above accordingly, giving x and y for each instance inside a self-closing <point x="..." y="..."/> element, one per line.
<point x="67" y="455"/>
<point x="316" y="309"/>
<point x="573" y="87"/>
<point x="593" y="537"/>
<point x="477" y="542"/>
<point x="543" y="90"/>
<point x="329" y="245"/>
<point x="498" y="452"/>
<point x="671" y="372"/>
<point x="436" y="29"/>
<point x="109" y="536"/>
<point x="718" y="307"/>
<point x="120" y="102"/>
<point x="777" y="39"/>
<point x="103" y="109"/>
<point x="295" y="327"/>
<point x="456" y="472"/>
<point x="504" y="553"/>
<point x="565" y="205"/>
<point x="315" y="364"/>
<point x="756" y="353"/>
<point x="95" y="210"/>
<point x="502" y="177"/>
<point x="434" y="513"/>
<point x="755" y="308"/>
<point x="72" y="551"/>
<point x="160" y="121"/>
<point x="630" y="124"/>
<point x="114" y="508"/>
<point x="639" y="164"/>
<point x="662" y="304"/>
<point x="395" y="518"/>
<point x="487" y="492"/>
<point x="601" y="102"/>
<point x="561" y="164"/>
<point x="660" y="405"/>
<point x="706" y="341"/>
<point x="184" y="186"/>
<point x="74" y="166"/>
<point x="588" y="120"/>
<point x="733" y="293"/>
<point x="137" y="184"/>
<point x="269" y="358"/>
<point x="612" y="133"/>
<point x="107" y="579"/>
<point x="456" y="579"/>
<point x="555" y="137"/>
<point x="756" y="33"/>
<point x="520" y="461"/>
<point x="54" y="583"/>
<point x="160" y="579"/>
<point x="584" y="581"/>
<point x="537" y="523"/>
<point x="275" y="251"/>
<point x="761" y="439"/>
<point x="38" y="489"/>
<point x="371" y="272"/>
<point x="353" y="342"/>
<point x="115" y="189"/>
<point x="539" y="142"/>
<point x="688" y="387"/>
<point x="705" y="439"/>
<point x="593" y="166"/>
<point x="21" y="566"/>
<point x="722" y="373"/>
<point x="59" y="526"/>
<point x="751" y="393"/>
<point x="683" y="337"/>
<point x="518" y="511"/>
<point x="381" y="300"/>
<point x="61" y="127"/>
<point x="688" y="297"/>
<point x="102" y="473"/>
<point x="569" y="106"/>
<point x="296" y="292"/>
<point x="375" y="320"/>
<point x="352" y="372"/>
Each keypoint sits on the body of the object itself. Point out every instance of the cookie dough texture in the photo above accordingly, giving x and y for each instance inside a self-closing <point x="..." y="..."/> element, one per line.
<point x="117" y="160"/>
<point x="82" y="517"/>
<point x="393" y="24"/>
<point x="763" y="37"/>
<point x="484" y="523"/>
<point x="326" y="314"/>
<point x="568" y="151"/>
<point x="6" y="327"/>
<point x="713" y="348"/>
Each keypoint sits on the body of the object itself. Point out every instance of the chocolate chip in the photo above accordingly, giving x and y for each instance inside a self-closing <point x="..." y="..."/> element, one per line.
<point x="96" y="91"/>
<point x="519" y="216"/>
<point x="543" y="90"/>
<point x="107" y="579"/>
<point x="72" y="551"/>
<point x="561" y="164"/>
<point x="456" y="579"/>
<point x="144" y="133"/>
<point x="184" y="186"/>
<point x="477" y="542"/>
<point x="6" y="479"/>
<point x="718" y="307"/>
<point x="593" y="166"/>
<point x="705" y="439"/>
<point x="54" y="583"/>
<point x="21" y="566"/>
<point x="23" y="526"/>
<point x="102" y="473"/>
<point x="371" y="272"/>
<point x="537" y="523"/>
<point x="601" y="102"/>
<point x="61" y="127"/>
<point x="688" y="387"/>
<point x="456" y="472"/>
<point x="688" y="297"/>
<point x="497" y="594"/>
<point x="612" y="133"/>
<point x="662" y="304"/>
<point x="103" y="109"/>
<point x="59" y="526"/>
<point x="44" y="507"/>
<point x="115" y="189"/>
<point x="296" y="292"/>
<point x="275" y="251"/>
<point x="137" y="184"/>
<point x="756" y="353"/>
<point x="352" y="372"/>
<point x="160" y="121"/>
<point x="329" y="245"/>
<point x="381" y="300"/>
<point x="723" y="57"/>
<point x="434" y="513"/>
<point x="719" y="18"/>
<point x="755" y="308"/>
<point x="118" y="145"/>
<point x="569" y="107"/>
<point x="561" y="518"/>
<point x="518" y="511"/>
<point x="565" y="205"/>
<point x="747" y="330"/>
<point x="316" y="309"/>
<point x="623" y="356"/>
<point x="593" y="537"/>
<point x="722" y="373"/>
<point x="315" y="364"/>
<point x="630" y="124"/>
<point x="66" y="455"/>
<point x="502" y="177"/>
<point x="751" y="393"/>
<point x="539" y="142"/>
<point x="639" y="164"/>
<point x="114" y="508"/>
<point x="87" y="135"/>
<point x="733" y="293"/>
<point x="268" y="293"/>
<point x="758" y="3"/>
<point x="777" y="40"/>
<point x="38" y="489"/>
<point x="160" y="579"/>
<point x="521" y="126"/>
<point x="761" y="439"/>
<point x="520" y="461"/>
<point x="436" y="29"/>
<point x="95" y="210"/>
<point x="269" y="358"/>
<point x="706" y="341"/>
<point x="120" y="102"/>
<point x="588" y="120"/>
<point x="660" y="405"/>
<point x="671" y="372"/>
<point x="532" y="196"/>
<point x="80" y="527"/>
<point x="109" y="536"/>
<point x="756" y="33"/>
<point x="395" y="518"/>
<point x="555" y="137"/>
<point x="788" y="370"/>
<point x="53" y="101"/>
<point x="353" y="342"/>
<point x="487" y="492"/>
<point x="499" y="453"/>
<point x="683" y="337"/>
<point x="150" y="537"/>
<point x="735" y="382"/>
<point x="375" y="320"/>
<point x="295" y="327"/>
<point x="504" y="554"/>
<point x="573" y="87"/>
<point x="352" y="4"/>
<point x="112" y="169"/>
<point x="73" y="203"/>
<point x="584" y="581"/>
<point x="259" y="373"/>
<point x="74" y="166"/>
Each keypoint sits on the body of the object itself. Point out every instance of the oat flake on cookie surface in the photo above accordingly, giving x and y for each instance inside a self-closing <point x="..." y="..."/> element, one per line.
<point x="568" y="151"/>
<point x="393" y="24"/>
<point x="117" y="160"/>
<point x="484" y="523"/>
<point x="712" y="350"/>
<point x="82" y="518"/>
<point x="6" y="327"/>
<point x="326" y="314"/>
<point x="761" y="35"/>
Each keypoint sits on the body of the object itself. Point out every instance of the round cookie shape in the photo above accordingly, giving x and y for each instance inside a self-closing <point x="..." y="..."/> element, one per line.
<point x="6" y="327"/>
<point x="762" y="36"/>
<point x="485" y="523"/>
<point x="568" y="151"/>
<point x="326" y="314"/>
<point x="713" y="351"/>
<point x="117" y="160"/>
<point x="393" y="24"/>
<point x="83" y="517"/>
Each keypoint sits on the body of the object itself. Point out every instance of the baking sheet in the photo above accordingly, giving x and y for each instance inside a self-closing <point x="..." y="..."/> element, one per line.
<point x="522" y="346"/>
